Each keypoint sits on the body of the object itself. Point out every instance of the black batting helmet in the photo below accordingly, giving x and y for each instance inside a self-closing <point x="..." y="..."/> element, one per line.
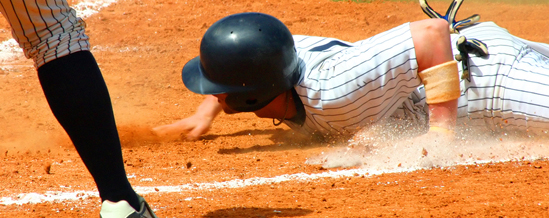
<point x="249" y="56"/>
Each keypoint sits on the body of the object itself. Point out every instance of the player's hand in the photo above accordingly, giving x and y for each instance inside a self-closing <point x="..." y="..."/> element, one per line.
<point x="438" y="135"/>
<point x="442" y="133"/>
<point x="194" y="126"/>
<point x="450" y="15"/>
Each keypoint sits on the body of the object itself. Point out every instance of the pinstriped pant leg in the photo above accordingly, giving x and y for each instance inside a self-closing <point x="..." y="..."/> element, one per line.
<point x="524" y="99"/>
<point x="45" y="29"/>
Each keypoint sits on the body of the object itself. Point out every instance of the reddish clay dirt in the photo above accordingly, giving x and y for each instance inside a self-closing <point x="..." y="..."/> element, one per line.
<point x="141" y="46"/>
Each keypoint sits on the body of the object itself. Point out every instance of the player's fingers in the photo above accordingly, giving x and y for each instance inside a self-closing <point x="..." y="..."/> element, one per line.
<point x="197" y="132"/>
<point x="435" y="135"/>
<point x="467" y="21"/>
<point x="162" y="130"/>
<point x="428" y="10"/>
<point x="171" y="129"/>
<point x="441" y="131"/>
<point x="452" y="10"/>
<point x="478" y="47"/>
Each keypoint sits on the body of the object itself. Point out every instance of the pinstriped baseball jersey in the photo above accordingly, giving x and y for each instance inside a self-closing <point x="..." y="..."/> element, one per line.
<point x="45" y="29"/>
<point x="510" y="87"/>
<point x="346" y="86"/>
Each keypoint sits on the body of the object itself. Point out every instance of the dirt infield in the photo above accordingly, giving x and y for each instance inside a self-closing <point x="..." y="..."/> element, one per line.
<point x="245" y="166"/>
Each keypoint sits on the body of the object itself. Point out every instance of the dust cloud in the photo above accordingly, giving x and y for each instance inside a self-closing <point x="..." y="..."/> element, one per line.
<point x="32" y="140"/>
<point x="396" y="147"/>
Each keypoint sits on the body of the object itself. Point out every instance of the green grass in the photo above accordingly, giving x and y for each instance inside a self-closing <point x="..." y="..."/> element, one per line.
<point x="369" y="1"/>
<point x="491" y="1"/>
<point x="503" y="1"/>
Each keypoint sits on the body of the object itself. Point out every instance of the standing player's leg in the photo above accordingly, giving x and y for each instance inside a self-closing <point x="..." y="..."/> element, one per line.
<point x="79" y="99"/>
<point x="76" y="93"/>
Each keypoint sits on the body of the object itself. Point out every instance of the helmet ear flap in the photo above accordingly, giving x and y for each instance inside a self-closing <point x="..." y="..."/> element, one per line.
<point x="247" y="102"/>
<point x="251" y="101"/>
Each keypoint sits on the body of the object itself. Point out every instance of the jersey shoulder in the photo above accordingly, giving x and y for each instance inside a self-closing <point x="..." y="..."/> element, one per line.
<point x="315" y="50"/>
<point x="317" y="43"/>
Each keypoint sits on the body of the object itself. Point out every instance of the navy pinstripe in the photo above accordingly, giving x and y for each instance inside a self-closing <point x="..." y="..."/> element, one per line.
<point x="43" y="36"/>
<point x="349" y="85"/>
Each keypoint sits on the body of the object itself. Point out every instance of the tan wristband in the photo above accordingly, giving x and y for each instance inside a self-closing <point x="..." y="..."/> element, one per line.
<point x="441" y="82"/>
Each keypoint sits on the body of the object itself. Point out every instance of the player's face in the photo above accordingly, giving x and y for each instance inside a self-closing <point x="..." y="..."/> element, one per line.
<point x="221" y="99"/>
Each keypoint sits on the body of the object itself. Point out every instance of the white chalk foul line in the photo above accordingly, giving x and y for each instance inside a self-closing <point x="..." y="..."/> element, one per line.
<point x="59" y="196"/>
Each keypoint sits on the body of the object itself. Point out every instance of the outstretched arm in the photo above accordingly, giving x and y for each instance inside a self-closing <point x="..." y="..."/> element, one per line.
<point x="434" y="51"/>
<point x="195" y="125"/>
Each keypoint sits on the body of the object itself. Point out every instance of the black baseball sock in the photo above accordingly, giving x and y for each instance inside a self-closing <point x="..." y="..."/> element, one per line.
<point x="79" y="99"/>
